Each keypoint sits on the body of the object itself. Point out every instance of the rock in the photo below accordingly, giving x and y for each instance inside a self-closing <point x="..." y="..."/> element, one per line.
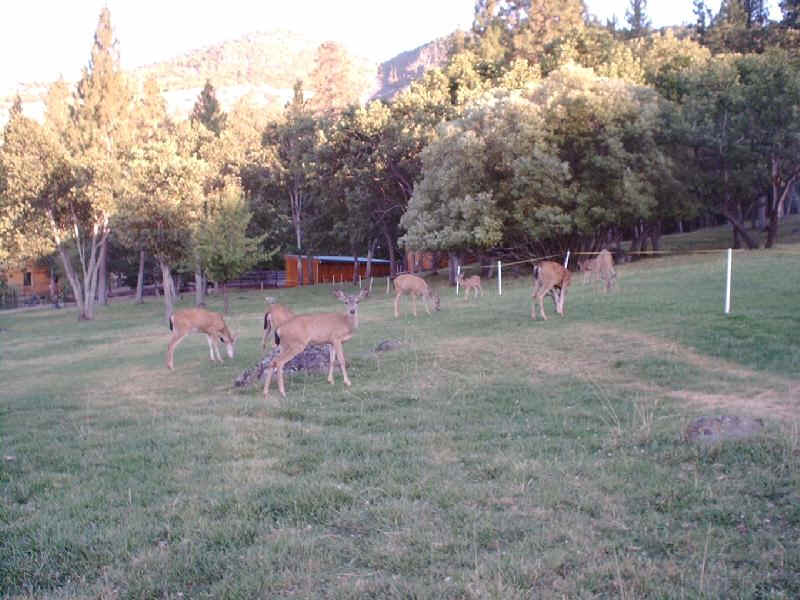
<point x="314" y="358"/>
<point x="387" y="345"/>
<point x="712" y="430"/>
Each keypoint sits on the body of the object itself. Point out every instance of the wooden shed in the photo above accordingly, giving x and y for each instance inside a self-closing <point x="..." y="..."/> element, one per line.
<point x="327" y="269"/>
<point x="32" y="280"/>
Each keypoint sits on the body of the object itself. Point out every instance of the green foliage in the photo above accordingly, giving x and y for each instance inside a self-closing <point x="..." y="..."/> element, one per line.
<point x="221" y="241"/>
<point x="208" y="111"/>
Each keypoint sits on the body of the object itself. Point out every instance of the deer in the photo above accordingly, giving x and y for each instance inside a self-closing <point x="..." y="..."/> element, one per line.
<point x="549" y="277"/>
<point x="414" y="286"/>
<point x="188" y="320"/>
<point x="295" y="334"/>
<point x="600" y="267"/>
<point x="276" y="316"/>
<point x="470" y="283"/>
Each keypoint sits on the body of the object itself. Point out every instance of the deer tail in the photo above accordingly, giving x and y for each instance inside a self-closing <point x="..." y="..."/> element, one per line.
<point x="170" y="322"/>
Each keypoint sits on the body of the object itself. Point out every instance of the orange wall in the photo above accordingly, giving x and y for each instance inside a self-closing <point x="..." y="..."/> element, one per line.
<point x="40" y="280"/>
<point x="327" y="272"/>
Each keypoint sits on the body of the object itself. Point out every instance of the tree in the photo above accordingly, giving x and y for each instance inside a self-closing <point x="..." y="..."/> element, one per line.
<point x="207" y="110"/>
<point x="65" y="178"/>
<point x="334" y="80"/>
<point x="290" y="146"/>
<point x="99" y="136"/>
<point x="790" y="10"/>
<point x="222" y="242"/>
<point x="636" y="16"/>
<point x="163" y="203"/>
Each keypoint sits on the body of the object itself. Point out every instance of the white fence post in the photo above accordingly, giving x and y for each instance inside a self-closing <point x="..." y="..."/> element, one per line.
<point x="499" y="278"/>
<point x="728" y="283"/>
<point x="458" y="275"/>
<point x="566" y="260"/>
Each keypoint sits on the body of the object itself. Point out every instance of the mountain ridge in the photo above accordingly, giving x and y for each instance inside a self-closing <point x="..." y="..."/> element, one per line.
<point x="263" y="65"/>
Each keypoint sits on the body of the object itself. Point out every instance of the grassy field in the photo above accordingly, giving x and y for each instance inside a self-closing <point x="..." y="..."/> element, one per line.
<point x="490" y="456"/>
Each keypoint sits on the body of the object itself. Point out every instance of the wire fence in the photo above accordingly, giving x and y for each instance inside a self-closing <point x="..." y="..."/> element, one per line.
<point x="726" y="253"/>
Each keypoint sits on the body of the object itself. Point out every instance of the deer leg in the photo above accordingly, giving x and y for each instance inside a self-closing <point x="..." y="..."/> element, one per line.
<point x="340" y="354"/>
<point x="414" y="302"/>
<point x="331" y="362"/>
<point x="286" y="354"/>
<point x="396" y="302"/>
<point x="561" y="298"/>
<point x="213" y="348"/>
<point x="176" y="339"/>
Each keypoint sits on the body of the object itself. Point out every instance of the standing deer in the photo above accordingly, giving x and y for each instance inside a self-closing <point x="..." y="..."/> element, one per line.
<point x="470" y="283"/>
<point x="549" y="277"/>
<point x="187" y="320"/>
<point x="276" y="316"/>
<point x="414" y="286"/>
<point x="317" y="328"/>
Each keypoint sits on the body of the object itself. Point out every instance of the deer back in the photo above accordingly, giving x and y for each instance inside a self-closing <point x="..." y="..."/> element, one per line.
<point x="200" y="319"/>
<point x="549" y="273"/>
<point x="408" y="283"/>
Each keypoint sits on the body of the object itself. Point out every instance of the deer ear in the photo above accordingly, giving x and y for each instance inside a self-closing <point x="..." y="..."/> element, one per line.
<point x="340" y="295"/>
<point x="363" y="294"/>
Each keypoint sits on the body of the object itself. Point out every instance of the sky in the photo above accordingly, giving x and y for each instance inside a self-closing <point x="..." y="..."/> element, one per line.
<point x="41" y="40"/>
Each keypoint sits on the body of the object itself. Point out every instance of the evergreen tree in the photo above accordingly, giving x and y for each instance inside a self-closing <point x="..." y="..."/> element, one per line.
<point x="636" y="16"/>
<point x="791" y="13"/>
<point x="207" y="110"/>
<point x="334" y="80"/>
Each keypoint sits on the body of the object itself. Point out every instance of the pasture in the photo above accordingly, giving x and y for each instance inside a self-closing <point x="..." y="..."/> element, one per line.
<point x="489" y="456"/>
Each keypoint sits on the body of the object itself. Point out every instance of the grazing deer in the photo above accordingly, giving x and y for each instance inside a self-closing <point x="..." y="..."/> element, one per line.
<point x="470" y="283"/>
<point x="600" y="267"/>
<point x="187" y="320"/>
<point x="276" y="316"/>
<point x="549" y="277"/>
<point x="317" y="328"/>
<point x="415" y="286"/>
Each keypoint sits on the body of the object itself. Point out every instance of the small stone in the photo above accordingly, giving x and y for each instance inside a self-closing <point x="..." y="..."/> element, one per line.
<point x="712" y="430"/>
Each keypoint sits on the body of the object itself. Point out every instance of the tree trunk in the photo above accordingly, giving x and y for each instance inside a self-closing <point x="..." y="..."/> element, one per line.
<point x="299" y="268"/>
<point x="166" y="284"/>
<point x="740" y="228"/>
<point x="102" y="275"/>
<point x="390" y="247"/>
<point x="655" y="235"/>
<point x="199" y="286"/>
<point x="453" y="264"/>
<point x="140" y="280"/>
<point x="370" y="253"/>
<point x="355" y="268"/>
<point x="225" y="301"/>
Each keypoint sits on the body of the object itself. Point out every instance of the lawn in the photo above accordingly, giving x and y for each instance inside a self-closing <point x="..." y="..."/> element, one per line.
<point x="489" y="456"/>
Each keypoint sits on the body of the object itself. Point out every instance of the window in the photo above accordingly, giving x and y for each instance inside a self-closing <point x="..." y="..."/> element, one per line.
<point x="27" y="281"/>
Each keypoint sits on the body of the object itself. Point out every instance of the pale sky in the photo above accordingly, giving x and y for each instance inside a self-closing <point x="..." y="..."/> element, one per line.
<point x="43" y="39"/>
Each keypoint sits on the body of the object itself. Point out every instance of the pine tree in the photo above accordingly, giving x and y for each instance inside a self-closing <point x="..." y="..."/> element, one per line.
<point x="334" y="80"/>
<point x="207" y="110"/>
<point x="791" y="13"/>
<point x="636" y="16"/>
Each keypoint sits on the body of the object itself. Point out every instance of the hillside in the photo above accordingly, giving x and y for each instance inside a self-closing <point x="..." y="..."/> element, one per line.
<point x="262" y="65"/>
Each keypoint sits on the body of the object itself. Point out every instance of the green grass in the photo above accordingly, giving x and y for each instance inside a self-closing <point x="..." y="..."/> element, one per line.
<point x="490" y="456"/>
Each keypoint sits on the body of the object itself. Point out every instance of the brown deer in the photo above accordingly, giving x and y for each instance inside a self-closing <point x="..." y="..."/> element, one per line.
<point x="276" y="316"/>
<point x="317" y="328"/>
<point x="470" y="283"/>
<point x="414" y="286"/>
<point x="600" y="267"/>
<point x="549" y="277"/>
<point x="187" y="320"/>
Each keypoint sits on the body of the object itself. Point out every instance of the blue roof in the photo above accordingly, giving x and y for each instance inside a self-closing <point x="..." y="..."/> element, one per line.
<point x="348" y="259"/>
